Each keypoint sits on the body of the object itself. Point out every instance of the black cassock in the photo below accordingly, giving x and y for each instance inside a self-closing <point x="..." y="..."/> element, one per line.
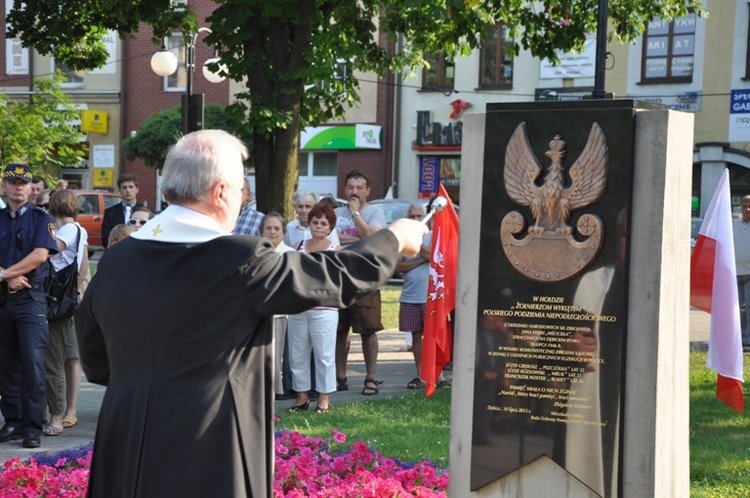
<point x="181" y="335"/>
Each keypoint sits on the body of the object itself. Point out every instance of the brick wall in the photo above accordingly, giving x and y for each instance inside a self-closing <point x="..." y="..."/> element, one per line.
<point x="375" y="164"/>
<point x="144" y="95"/>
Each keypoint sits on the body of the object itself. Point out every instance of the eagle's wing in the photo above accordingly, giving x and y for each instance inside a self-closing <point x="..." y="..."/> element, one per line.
<point x="589" y="173"/>
<point x="521" y="168"/>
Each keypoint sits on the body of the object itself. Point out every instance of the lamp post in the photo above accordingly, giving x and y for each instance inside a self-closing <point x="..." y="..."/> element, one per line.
<point x="601" y="51"/>
<point x="164" y="63"/>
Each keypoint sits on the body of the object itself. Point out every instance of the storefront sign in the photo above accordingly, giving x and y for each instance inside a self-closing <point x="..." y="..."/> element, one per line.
<point x="688" y="101"/>
<point x="94" y="121"/>
<point x="739" y="116"/>
<point x="434" y="136"/>
<point x="563" y="94"/>
<point x="16" y="56"/>
<point x="572" y="65"/>
<point x="428" y="176"/>
<point x="359" y="136"/>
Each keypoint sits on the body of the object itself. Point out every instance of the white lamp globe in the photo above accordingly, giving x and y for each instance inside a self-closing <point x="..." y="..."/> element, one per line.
<point x="210" y="75"/>
<point x="164" y="63"/>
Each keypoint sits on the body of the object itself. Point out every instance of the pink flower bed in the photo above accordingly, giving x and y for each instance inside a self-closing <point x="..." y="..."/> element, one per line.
<point x="304" y="467"/>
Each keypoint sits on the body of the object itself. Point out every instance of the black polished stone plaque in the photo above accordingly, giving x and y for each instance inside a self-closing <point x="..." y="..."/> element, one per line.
<point x="550" y="342"/>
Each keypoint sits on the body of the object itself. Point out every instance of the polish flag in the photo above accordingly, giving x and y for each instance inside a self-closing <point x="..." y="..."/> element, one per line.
<point x="713" y="288"/>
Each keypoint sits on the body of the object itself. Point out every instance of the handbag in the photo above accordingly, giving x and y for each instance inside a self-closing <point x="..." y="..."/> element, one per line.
<point x="61" y="288"/>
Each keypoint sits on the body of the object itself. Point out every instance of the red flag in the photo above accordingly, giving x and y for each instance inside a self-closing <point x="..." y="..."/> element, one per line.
<point x="713" y="288"/>
<point x="437" y="340"/>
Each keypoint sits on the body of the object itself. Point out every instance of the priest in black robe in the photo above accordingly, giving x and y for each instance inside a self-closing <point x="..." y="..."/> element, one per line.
<point x="177" y="323"/>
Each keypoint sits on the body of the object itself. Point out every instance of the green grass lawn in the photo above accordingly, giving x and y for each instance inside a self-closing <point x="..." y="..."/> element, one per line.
<point x="719" y="437"/>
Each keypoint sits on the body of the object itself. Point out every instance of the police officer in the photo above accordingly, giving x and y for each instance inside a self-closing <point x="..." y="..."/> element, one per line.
<point x="27" y="237"/>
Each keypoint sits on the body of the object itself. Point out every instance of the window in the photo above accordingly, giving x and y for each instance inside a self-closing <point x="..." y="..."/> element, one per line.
<point x="440" y="74"/>
<point x="668" y="51"/>
<point x="177" y="81"/>
<point x="323" y="164"/>
<point x="317" y="172"/>
<point x="496" y="65"/>
<point x="75" y="77"/>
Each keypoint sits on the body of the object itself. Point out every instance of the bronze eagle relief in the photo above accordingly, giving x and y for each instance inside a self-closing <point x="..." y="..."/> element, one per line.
<point x="550" y="250"/>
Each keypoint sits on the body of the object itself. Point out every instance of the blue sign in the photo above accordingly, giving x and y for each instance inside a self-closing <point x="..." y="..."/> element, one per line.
<point x="740" y="102"/>
<point x="739" y="116"/>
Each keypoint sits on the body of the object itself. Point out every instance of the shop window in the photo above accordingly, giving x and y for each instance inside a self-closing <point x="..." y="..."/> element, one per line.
<point x="440" y="74"/>
<point x="317" y="172"/>
<point x="669" y="50"/>
<point x="496" y="64"/>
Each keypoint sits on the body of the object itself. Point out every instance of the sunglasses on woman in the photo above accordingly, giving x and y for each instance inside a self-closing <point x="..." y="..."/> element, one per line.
<point x="137" y="222"/>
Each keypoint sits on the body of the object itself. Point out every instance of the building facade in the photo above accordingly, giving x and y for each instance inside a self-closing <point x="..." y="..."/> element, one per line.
<point x="406" y="133"/>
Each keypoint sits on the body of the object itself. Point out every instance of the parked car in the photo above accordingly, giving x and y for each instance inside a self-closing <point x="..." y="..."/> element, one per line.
<point x="339" y="202"/>
<point x="93" y="204"/>
<point x="397" y="208"/>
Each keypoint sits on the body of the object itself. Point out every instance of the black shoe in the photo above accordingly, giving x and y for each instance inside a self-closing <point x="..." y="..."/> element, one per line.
<point x="9" y="433"/>
<point x="32" y="440"/>
<point x="286" y="395"/>
<point x="299" y="408"/>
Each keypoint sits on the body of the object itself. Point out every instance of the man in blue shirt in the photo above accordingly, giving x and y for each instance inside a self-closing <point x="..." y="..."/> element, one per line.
<point x="27" y="237"/>
<point x="248" y="223"/>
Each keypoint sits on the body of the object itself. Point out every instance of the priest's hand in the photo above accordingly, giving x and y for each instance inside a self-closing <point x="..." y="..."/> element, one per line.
<point x="409" y="234"/>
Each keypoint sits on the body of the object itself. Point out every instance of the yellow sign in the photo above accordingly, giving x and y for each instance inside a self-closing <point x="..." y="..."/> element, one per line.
<point x="103" y="177"/>
<point x="94" y="121"/>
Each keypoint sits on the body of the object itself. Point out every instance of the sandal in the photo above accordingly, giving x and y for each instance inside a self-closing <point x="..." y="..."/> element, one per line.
<point x="342" y="384"/>
<point x="446" y="384"/>
<point x="371" y="389"/>
<point x="53" y="430"/>
<point x="69" y="421"/>
<point x="415" y="383"/>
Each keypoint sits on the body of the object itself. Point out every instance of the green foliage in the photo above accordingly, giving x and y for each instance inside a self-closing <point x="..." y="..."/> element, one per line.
<point x="72" y="31"/>
<point x="287" y="52"/>
<point x="40" y="132"/>
<point x="162" y="130"/>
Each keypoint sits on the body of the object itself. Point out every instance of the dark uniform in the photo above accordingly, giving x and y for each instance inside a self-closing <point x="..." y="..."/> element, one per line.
<point x="23" y="322"/>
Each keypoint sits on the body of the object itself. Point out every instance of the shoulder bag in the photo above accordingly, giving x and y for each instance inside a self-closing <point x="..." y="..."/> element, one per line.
<point x="61" y="288"/>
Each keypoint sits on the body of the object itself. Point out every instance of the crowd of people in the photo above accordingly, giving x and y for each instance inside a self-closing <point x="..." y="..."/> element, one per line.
<point x="39" y="360"/>
<point x="40" y="369"/>
<point x="312" y="348"/>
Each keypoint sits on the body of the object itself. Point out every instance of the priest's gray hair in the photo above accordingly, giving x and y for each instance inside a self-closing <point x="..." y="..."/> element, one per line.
<point x="200" y="160"/>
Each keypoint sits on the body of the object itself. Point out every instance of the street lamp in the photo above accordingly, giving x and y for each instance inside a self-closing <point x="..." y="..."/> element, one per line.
<point x="164" y="63"/>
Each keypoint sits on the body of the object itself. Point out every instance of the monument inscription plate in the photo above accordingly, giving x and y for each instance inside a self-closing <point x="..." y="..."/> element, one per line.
<point x="552" y="289"/>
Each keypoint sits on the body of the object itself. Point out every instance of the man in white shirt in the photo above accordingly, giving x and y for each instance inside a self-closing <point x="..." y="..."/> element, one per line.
<point x="299" y="229"/>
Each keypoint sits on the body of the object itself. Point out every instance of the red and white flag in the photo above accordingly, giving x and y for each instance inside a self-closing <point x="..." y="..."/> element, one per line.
<point x="713" y="288"/>
<point x="437" y="337"/>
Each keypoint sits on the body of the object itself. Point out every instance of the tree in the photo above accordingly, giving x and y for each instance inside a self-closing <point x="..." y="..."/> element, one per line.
<point x="41" y="132"/>
<point x="280" y="47"/>
<point x="162" y="130"/>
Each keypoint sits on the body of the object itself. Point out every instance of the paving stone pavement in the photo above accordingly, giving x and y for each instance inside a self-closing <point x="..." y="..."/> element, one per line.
<point x="395" y="369"/>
